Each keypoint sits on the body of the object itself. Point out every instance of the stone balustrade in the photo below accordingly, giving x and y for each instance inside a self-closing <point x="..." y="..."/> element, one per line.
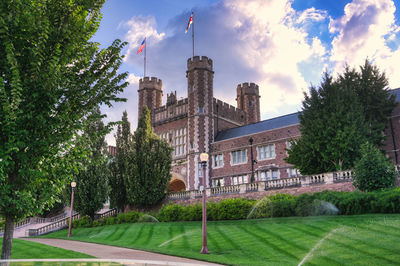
<point x="300" y="181"/>
<point x="258" y="186"/>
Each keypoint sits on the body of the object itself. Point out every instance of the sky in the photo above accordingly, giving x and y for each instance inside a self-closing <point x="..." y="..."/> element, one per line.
<point x="284" y="46"/>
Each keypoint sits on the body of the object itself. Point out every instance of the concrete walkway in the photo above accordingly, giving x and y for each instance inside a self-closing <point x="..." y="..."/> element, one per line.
<point x="110" y="252"/>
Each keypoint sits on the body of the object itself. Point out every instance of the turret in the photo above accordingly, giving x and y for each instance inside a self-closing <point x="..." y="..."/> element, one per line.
<point x="200" y="77"/>
<point x="248" y="100"/>
<point x="150" y="93"/>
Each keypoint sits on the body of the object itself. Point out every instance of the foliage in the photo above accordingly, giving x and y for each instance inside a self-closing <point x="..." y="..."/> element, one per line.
<point x="91" y="181"/>
<point x="338" y="117"/>
<point x="373" y="171"/>
<point x="51" y="76"/>
<point x="332" y="130"/>
<point x="150" y="160"/>
<point x="128" y="217"/>
<point x="120" y="164"/>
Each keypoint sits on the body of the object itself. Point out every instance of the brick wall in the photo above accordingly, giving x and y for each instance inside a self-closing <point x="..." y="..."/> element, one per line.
<point x="392" y="142"/>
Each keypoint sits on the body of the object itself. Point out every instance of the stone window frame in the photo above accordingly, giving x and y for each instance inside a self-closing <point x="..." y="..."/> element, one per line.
<point x="214" y="166"/>
<point x="270" y="171"/>
<point x="179" y="141"/>
<point x="240" y="179"/>
<point x="289" y="172"/>
<point x="242" y="162"/>
<point x="215" y="182"/>
<point x="269" y="151"/>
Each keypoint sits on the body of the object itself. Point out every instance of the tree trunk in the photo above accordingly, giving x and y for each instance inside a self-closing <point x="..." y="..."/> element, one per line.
<point x="7" y="238"/>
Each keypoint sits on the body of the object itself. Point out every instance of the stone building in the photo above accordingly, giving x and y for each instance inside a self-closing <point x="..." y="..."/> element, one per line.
<point x="202" y="123"/>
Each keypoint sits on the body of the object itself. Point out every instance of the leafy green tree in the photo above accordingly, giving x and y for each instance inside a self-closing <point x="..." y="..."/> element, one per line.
<point x="151" y="159"/>
<point x="120" y="163"/>
<point x="51" y="77"/>
<point x="373" y="171"/>
<point x="338" y="117"/>
<point x="332" y="130"/>
<point x="92" y="180"/>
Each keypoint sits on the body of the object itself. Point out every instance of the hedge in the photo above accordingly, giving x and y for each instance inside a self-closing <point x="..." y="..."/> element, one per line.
<point x="279" y="205"/>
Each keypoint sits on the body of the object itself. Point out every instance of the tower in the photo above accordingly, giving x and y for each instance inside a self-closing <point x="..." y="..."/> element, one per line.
<point x="150" y="94"/>
<point x="200" y="77"/>
<point x="248" y="99"/>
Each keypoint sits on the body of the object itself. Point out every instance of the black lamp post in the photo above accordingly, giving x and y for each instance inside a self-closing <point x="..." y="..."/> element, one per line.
<point x="73" y="185"/>
<point x="252" y="160"/>
<point x="204" y="159"/>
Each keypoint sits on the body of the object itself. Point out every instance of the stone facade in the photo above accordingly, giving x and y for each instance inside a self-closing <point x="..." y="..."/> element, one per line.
<point x="202" y="123"/>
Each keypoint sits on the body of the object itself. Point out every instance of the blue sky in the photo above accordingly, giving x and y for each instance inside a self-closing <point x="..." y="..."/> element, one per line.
<point x="282" y="45"/>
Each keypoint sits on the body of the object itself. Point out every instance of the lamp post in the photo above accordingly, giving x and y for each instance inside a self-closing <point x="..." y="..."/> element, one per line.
<point x="252" y="160"/>
<point x="73" y="185"/>
<point x="204" y="159"/>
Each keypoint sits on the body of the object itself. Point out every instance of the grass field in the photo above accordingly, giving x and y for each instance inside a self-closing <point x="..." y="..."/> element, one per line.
<point x="29" y="250"/>
<point x="335" y="240"/>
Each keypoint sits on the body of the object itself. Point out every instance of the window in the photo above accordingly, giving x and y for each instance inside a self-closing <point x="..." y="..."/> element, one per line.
<point x="200" y="109"/>
<point x="239" y="157"/>
<point x="266" y="152"/>
<point x="250" y="103"/>
<point x="218" y="161"/>
<point x="240" y="179"/>
<point x="200" y="172"/>
<point x="293" y="172"/>
<point x="271" y="174"/>
<point x="221" y="182"/>
<point x="179" y="141"/>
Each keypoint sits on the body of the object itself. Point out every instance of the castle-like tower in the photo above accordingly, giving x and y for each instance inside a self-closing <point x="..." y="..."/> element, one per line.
<point x="150" y="93"/>
<point x="200" y="122"/>
<point x="248" y="100"/>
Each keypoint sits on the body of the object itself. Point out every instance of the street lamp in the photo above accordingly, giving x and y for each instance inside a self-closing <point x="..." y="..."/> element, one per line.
<point x="204" y="160"/>
<point x="252" y="160"/>
<point x="73" y="185"/>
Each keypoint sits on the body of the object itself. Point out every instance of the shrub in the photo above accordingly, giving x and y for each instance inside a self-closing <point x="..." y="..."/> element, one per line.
<point x="282" y="205"/>
<point x="373" y="171"/>
<point x="171" y="213"/>
<point x="229" y="209"/>
<point x="262" y="209"/>
<point x="303" y="204"/>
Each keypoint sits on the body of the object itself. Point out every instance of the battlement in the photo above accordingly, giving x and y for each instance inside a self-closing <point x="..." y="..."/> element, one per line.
<point x="247" y="88"/>
<point x="150" y="83"/>
<point x="199" y="62"/>
<point x="228" y="111"/>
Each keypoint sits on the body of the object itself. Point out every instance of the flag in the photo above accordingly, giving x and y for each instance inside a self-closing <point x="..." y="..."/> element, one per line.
<point x="189" y="23"/>
<point x="141" y="46"/>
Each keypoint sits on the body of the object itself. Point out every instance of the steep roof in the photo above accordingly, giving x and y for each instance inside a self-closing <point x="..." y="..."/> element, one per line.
<point x="396" y="92"/>
<point x="273" y="123"/>
<point x="269" y="124"/>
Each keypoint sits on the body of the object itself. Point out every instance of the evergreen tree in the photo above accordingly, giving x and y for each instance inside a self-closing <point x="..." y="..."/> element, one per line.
<point x="373" y="171"/>
<point x="120" y="164"/>
<point x="332" y="129"/>
<point x="51" y="77"/>
<point x="151" y="159"/>
<point x="91" y="189"/>
<point x="372" y="91"/>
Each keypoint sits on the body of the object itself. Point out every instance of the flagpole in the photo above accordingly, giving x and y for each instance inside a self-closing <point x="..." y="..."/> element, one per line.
<point x="145" y="48"/>
<point x="193" y="33"/>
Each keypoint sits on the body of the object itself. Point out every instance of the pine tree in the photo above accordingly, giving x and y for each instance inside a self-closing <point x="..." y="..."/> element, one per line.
<point x="120" y="164"/>
<point x="151" y="159"/>
<point x="332" y="129"/>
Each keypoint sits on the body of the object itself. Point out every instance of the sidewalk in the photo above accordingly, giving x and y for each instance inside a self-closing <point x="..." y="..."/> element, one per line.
<point x="110" y="252"/>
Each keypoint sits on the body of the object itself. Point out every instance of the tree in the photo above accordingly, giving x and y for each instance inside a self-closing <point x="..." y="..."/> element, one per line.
<point x="338" y="117"/>
<point x="151" y="159"/>
<point x="51" y="76"/>
<point x="332" y="130"/>
<point x="120" y="163"/>
<point x="373" y="171"/>
<point x="92" y="181"/>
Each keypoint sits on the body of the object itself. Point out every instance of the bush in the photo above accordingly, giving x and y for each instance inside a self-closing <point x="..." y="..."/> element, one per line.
<point x="229" y="209"/>
<point x="128" y="217"/>
<point x="171" y="213"/>
<point x="373" y="171"/>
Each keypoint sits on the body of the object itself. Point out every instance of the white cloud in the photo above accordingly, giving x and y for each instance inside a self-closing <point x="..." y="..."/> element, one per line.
<point x="363" y="32"/>
<point x="312" y="14"/>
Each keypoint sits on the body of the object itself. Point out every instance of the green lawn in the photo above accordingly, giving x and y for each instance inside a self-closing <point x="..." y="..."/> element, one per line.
<point x="336" y="240"/>
<point x="29" y="250"/>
